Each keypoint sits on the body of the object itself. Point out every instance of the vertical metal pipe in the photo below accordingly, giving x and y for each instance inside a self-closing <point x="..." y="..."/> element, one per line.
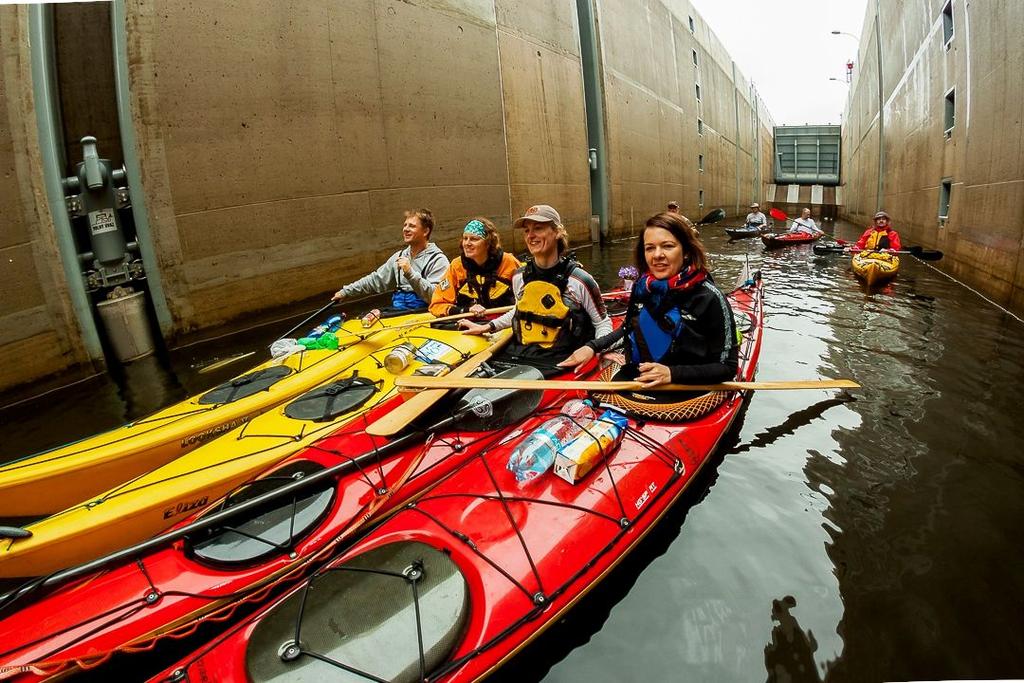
<point x="736" y="106"/>
<point x="881" y="110"/>
<point x="144" y="235"/>
<point x="593" y="94"/>
<point x="51" y="149"/>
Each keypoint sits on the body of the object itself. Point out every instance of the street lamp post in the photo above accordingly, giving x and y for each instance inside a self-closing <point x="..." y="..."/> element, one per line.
<point x="881" y="104"/>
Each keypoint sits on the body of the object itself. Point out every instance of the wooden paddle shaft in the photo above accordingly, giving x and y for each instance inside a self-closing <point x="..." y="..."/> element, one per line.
<point x="394" y="421"/>
<point x="450" y="382"/>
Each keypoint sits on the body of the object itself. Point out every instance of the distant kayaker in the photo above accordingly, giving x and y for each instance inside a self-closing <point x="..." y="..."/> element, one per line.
<point x="679" y="327"/>
<point x="755" y="218"/>
<point x="805" y="224"/>
<point x="673" y="207"/>
<point x="411" y="273"/>
<point x="480" y="278"/>
<point x="558" y="304"/>
<point x="880" y="235"/>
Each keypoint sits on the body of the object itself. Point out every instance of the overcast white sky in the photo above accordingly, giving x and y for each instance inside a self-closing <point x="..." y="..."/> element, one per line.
<point x="786" y="48"/>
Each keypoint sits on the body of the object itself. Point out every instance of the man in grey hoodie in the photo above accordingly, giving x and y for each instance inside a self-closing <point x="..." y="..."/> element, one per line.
<point x="411" y="273"/>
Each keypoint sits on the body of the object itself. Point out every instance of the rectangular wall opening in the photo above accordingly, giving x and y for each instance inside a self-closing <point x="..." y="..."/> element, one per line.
<point x="700" y="127"/>
<point x="700" y="197"/>
<point x="700" y="163"/>
<point x="947" y="23"/>
<point x="697" y="88"/>
<point x="694" y="57"/>
<point x="950" y="114"/>
<point x="945" y="190"/>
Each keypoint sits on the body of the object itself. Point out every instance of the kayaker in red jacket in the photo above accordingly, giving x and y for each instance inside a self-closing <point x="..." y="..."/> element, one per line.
<point x="879" y="235"/>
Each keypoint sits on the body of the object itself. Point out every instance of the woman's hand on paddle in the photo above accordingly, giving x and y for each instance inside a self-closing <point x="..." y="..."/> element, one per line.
<point x="653" y="374"/>
<point x="477" y="310"/>
<point x="578" y="357"/>
<point x="472" y="328"/>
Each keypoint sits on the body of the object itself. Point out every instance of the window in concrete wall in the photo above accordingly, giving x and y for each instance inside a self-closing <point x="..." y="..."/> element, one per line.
<point x="692" y="28"/>
<point x="700" y="197"/>
<point x="700" y="163"/>
<point x="944" y="192"/>
<point x="700" y="127"/>
<point x="697" y="88"/>
<point x="947" y="23"/>
<point x="695" y="63"/>
<point x="950" y="117"/>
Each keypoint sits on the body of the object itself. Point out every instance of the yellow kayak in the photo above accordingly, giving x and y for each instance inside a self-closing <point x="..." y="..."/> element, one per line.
<point x="152" y="502"/>
<point x="875" y="267"/>
<point x="53" y="480"/>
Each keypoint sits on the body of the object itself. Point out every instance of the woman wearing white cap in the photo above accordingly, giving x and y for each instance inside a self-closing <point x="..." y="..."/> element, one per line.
<point x="558" y="304"/>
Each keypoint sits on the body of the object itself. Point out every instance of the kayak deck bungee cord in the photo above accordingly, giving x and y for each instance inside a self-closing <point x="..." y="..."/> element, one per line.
<point x="166" y="592"/>
<point x="72" y="473"/>
<point x="208" y="575"/>
<point x="875" y="267"/>
<point x="477" y="566"/>
<point x="154" y="501"/>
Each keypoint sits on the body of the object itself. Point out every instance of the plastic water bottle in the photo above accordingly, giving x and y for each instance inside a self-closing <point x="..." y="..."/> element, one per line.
<point x="330" y="325"/>
<point x="535" y="455"/>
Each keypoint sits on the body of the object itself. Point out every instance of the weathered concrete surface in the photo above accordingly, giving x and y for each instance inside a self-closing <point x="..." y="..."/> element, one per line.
<point x="307" y="130"/>
<point x="653" y="113"/>
<point x="38" y="331"/>
<point x="280" y="141"/>
<point x="983" y="157"/>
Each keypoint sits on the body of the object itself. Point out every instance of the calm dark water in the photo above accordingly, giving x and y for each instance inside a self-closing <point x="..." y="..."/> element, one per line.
<point x="886" y="514"/>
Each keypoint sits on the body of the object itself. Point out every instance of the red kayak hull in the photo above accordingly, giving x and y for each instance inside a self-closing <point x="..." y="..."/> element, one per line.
<point x="785" y="239"/>
<point x="527" y="553"/>
<point x="167" y="593"/>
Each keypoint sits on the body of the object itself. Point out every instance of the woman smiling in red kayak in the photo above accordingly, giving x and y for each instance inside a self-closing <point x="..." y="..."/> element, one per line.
<point x="679" y="327"/>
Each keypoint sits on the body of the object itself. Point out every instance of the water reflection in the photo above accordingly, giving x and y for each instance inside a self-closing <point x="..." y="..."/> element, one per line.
<point x="789" y="656"/>
<point x="894" y="518"/>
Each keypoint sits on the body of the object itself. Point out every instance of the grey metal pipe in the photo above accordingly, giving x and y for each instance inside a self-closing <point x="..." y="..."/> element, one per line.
<point x="129" y="146"/>
<point x="881" y="110"/>
<point x="51" y="148"/>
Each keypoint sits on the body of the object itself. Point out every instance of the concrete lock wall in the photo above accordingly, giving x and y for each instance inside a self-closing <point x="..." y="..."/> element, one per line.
<point x="279" y="142"/>
<point x="39" y="334"/>
<point x="980" y="157"/>
<point x="658" y="128"/>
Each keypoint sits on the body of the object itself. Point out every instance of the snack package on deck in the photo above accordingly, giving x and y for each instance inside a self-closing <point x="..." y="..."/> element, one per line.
<point x="594" y="442"/>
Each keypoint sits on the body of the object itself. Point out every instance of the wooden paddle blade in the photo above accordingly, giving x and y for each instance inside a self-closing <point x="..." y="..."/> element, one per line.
<point x="402" y="416"/>
<point x="450" y="382"/>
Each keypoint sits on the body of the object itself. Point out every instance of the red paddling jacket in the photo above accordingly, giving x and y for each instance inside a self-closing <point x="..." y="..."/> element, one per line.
<point x="875" y="238"/>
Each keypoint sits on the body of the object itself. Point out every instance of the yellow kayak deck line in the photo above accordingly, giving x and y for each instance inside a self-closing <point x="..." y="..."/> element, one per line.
<point x="875" y="267"/>
<point x="152" y="502"/>
<point x="53" y="480"/>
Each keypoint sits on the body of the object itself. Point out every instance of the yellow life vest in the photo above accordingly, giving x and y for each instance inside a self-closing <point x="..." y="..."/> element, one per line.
<point x="541" y="315"/>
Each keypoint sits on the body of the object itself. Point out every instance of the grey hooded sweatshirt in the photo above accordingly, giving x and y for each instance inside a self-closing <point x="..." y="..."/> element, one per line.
<point x="428" y="267"/>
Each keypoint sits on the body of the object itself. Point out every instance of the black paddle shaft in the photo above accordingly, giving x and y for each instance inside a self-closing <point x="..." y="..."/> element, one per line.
<point x="293" y="487"/>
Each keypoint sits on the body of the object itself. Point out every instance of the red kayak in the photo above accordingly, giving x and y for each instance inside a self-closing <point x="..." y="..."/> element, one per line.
<point x="775" y="240"/>
<point x="211" y="573"/>
<point x="458" y="581"/>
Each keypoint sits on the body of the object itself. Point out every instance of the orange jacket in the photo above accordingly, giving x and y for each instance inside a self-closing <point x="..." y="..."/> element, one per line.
<point x="872" y="236"/>
<point x="489" y="285"/>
